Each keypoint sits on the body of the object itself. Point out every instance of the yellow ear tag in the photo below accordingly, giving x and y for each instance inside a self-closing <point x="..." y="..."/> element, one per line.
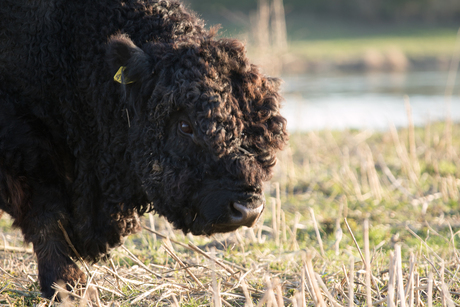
<point x="120" y="77"/>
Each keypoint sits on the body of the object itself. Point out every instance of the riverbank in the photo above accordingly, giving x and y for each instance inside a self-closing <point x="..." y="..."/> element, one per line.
<point x="389" y="53"/>
<point x="325" y="44"/>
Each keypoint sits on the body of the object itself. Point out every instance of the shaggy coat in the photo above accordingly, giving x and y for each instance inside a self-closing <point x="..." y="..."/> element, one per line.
<point x="190" y="131"/>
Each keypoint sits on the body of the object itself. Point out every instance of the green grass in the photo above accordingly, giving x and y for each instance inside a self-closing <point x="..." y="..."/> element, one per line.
<point x="422" y="46"/>
<point x="409" y="198"/>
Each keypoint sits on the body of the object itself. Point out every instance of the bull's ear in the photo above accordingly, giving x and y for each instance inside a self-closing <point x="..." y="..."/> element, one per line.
<point x="127" y="62"/>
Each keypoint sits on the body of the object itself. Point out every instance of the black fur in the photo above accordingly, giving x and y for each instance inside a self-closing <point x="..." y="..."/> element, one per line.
<point x="79" y="148"/>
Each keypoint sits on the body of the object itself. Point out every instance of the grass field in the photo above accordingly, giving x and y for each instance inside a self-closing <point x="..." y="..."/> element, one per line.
<point x="352" y="218"/>
<point x="436" y="44"/>
<point x="333" y="43"/>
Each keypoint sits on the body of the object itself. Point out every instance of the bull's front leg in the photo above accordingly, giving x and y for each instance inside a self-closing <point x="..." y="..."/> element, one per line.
<point x="38" y="209"/>
<point x="33" y="191"/>
<point x="53" y="256"/>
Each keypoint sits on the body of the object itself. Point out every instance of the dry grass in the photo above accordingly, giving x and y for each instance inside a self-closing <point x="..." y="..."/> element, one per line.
<point x="352" y="218"/>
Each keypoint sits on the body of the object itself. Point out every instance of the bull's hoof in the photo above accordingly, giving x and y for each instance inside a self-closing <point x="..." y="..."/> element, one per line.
<point x="65" y="275"/>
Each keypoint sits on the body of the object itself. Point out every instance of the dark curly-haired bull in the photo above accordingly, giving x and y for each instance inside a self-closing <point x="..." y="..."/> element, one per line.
<point x="110" y="109"/>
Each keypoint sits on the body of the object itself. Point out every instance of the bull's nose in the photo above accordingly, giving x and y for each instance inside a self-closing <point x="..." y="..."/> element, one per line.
<point x="243" y="216"/>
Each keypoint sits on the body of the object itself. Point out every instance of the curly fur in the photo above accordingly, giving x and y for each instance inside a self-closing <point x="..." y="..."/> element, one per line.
<point x="79" y="148"/>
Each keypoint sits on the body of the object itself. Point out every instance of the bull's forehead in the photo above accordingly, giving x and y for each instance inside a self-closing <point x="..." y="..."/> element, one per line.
<point x="234" y="105"/>
<point x="221" y="120"/>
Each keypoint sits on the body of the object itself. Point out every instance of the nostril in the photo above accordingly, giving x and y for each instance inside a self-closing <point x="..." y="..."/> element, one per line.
<point x="236" y="212"/>
<point x="244" y="216"/>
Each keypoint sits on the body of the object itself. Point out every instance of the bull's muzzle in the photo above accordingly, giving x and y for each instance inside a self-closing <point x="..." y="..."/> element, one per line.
<point x="242" y="215"/>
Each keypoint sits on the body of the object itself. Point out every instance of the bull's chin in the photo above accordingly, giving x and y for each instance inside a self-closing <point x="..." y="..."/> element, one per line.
<point x="215" y="228"/>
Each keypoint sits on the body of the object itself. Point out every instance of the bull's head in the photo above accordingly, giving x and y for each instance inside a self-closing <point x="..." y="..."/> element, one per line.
<point x="205" y="127"/>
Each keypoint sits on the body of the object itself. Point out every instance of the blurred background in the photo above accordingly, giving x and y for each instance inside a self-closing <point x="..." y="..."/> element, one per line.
<point x="351" y="64"/>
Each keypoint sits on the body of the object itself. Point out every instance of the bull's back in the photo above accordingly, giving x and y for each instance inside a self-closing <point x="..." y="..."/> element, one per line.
<point x="25" y="26"/>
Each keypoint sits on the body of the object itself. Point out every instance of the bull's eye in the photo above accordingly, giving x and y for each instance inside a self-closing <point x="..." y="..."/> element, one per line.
<point x="185" y="127"/>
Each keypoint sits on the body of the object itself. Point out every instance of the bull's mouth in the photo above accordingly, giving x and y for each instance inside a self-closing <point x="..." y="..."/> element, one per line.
<point x="221" y="228"/>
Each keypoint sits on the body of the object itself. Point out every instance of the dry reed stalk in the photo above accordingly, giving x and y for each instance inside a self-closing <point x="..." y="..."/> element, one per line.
<point x="446" y="297"/>
<point x="174" y="256"/>
<point x="351" y="283"/>
<point x="63" y="291"/>
<point x="412" y="147"/>
<point x="399" y="273"/>
<point x="297" y="301"/>
<point x="52" y="298"/>
<point x="363" y="169"/>
<point x="356" y="185"/>
<point x="444" y="191"/>
<point x="452" y="187"/>
<point x="453" y="68"/>
<point x="264" y="300"/>
<point x="240" y="240"/>
<point x="417" y="290"/>
<point x="274" y="226"/>
<point x="259" y="235"/>
<point x="290" y="171"/>
<point x="216" y="260"/>
<point x="166" y="237"/>
<point x="176" y="303"/>
<point x="303" y="282"/>
<point x="5" y="243"/>
<point x="424" y="243"/>
<point x="318" y="235"/>
<point x="152" y="226"/>
<point x="402" y="154"/>
<point x="135" y="259"/>
<point x="430" y="289"/>
<point x="344" y="201"/>
<point x="117" y="293"/>
<point x="395" y="182"/>
<point x="374" y="182"/>
<point x="279" y="292"/>
<point x="67" y="238"/>
<point x="294" y="245"/>
<point x="252" y="234"/>
<point x="16" y="249"/>
<point x="125" y="281"/>
<point x="195" y="248"/>
<point x="454" y="64"/>
<point x="311" y="276"/>
<point x="279" y="27"/>
<point x="351" y="175"/>
<point x="170" y="231"/>
<point x="248" y="302"/>
<point x="115" y="275"/>
<point x="89" y="286"/>
<point x="367" y="263"/>
<point x="272" y="301"/>
<point x="452" y="242"/>
<point x="354" y="240"/>
<point x="428" y="142"/>
<point x="215" y="285"/>
<point x="326" y="291"/>
<point x="410" y="283"/>
<point x="283" y="226"/>
<point x="278" y="213"/>
<point x="338" y="230"/>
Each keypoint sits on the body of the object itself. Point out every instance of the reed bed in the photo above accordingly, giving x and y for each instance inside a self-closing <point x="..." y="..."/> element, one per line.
<point x="353" y="218"/>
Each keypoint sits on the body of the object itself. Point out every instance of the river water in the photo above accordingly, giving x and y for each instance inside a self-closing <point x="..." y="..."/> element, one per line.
<point x="372" y="101"/>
